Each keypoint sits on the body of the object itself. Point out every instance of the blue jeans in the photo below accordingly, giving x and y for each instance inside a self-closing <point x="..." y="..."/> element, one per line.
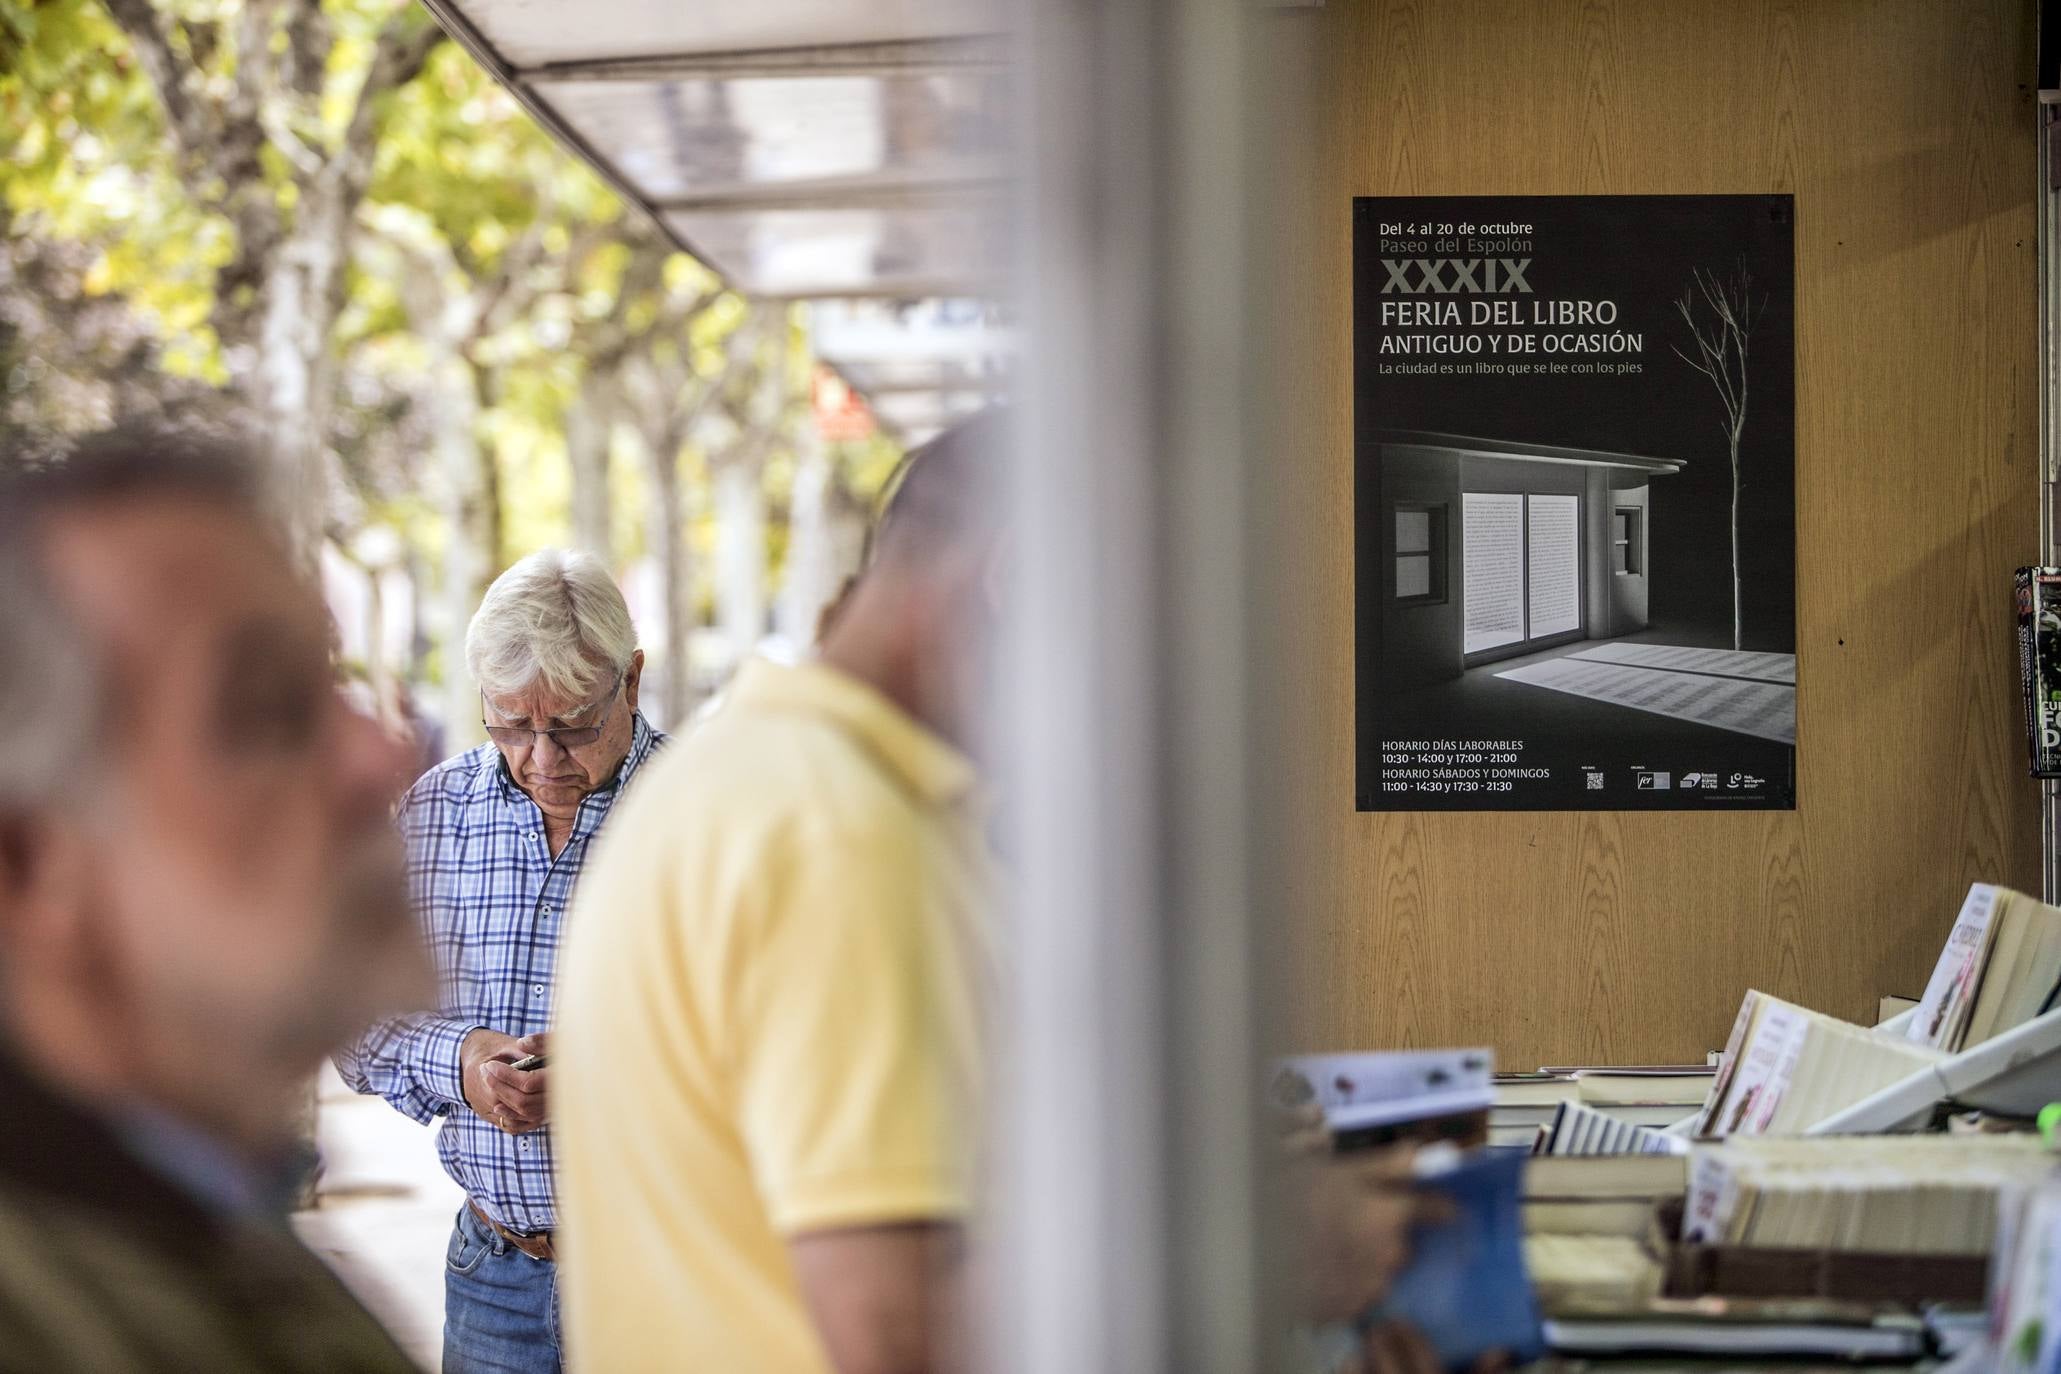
<point x="500" y="1306"/>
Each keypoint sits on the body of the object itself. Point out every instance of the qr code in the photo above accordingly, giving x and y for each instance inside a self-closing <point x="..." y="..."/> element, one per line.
<point x="1595" y="781"/>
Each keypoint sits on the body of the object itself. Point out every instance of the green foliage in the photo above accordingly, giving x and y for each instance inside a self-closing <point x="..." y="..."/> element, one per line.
<point x="558" y="291"/>
<point x="89" y="162"/>
<point x="459" y="149"/>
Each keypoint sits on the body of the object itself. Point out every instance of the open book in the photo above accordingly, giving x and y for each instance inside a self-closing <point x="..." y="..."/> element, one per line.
<point x="2000" y="968"/>
<point x="1786" y="1068"/>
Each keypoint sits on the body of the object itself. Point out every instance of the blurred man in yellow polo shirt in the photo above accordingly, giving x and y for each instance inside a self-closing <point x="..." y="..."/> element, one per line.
<point x="770" y="1000"/>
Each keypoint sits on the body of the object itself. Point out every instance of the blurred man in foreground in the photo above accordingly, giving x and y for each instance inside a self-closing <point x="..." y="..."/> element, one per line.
<point x="768" y="1034"/>
<point x="199" y="895"/>
<point x="496" y="839"/>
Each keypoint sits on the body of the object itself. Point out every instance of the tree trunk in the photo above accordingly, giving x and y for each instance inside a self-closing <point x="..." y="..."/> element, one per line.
<point x="1738" y="607"/>
<point x="493" y="510"/>
<point x="378" y="671"/>
<point x="292" y="385"/>
<point x="463" y="496"/>
<point x="813" y="571"/>
<point x="741" y="554"/>
<point x="586" y="451"/>
<point x="668" y="537"/>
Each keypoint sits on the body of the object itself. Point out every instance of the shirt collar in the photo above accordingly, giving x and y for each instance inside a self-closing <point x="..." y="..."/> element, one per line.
<point x="928" y="764"/>
<point x="204" y="1169"/>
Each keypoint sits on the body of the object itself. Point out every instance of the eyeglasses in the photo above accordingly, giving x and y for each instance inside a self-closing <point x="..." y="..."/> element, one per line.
<point x="565" y="736"/>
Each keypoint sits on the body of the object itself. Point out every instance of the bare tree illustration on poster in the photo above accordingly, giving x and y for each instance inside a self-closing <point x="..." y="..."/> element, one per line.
<point x="1721" y="348"/>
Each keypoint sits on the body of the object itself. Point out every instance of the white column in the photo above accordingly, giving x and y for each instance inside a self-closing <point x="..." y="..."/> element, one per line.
<point x="1129" y="1129"/>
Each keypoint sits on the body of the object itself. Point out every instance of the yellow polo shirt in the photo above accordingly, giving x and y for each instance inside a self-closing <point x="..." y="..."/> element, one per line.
<point x="768" y="1021"/>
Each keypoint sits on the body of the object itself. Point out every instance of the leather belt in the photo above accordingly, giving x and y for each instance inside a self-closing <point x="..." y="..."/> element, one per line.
<point x="537" y="1247"/>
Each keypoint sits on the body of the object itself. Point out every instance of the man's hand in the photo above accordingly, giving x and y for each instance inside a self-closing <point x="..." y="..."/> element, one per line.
<point x="502" y="1095"/>
<point x="1357" y="1214"/>
<point x="1303" y="1132"/>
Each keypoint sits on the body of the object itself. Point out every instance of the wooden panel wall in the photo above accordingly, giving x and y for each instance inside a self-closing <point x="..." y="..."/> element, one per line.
<point x="1905" y="129"/>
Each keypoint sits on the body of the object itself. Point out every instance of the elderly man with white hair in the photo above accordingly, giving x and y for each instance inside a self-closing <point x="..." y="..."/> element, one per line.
<point x="496" y="840"/>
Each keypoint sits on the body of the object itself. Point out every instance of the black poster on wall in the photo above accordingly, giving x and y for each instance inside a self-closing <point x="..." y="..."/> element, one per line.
<point x="1574" y="502"/>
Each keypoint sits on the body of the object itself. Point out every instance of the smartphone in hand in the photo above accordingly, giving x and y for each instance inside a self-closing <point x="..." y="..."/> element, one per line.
<point x="531" y="1064"/>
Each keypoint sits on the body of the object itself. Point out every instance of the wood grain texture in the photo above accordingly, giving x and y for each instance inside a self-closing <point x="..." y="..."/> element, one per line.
<point x="1906" y="132"/>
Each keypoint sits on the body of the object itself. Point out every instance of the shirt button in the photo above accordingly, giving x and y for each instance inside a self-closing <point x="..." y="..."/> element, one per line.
<point x="537" y="990"/>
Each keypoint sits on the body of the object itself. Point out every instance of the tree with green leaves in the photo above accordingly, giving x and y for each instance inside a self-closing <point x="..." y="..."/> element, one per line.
<point x="317" y="220"/>
<point x="266" y="115"/>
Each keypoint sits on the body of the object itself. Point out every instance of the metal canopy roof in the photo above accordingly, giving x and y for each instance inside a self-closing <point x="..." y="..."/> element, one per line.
<point x="541" y="33"/>
<point x="803" y="149"/>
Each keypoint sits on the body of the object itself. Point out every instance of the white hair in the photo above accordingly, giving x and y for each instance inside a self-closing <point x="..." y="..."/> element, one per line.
<point x="555" y="618"/>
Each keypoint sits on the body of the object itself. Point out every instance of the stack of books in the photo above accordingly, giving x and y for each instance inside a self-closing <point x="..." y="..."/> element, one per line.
<point x="2025" y="1283"/>
<point x="1581" y="1130"/>
<point x="1525" y="1105"/>
<point x="1743" y="1329"/>
<point x="1931" y="1195"/>
<point x="1618" y="1195"/>
<point x="1652" y="1095"/>
<point x="1574" y="1272"/>
<point x="1786" y="1068"/>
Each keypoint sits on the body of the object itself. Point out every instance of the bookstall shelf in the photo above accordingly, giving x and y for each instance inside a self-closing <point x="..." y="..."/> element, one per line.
<point x="2012" y="1074"/>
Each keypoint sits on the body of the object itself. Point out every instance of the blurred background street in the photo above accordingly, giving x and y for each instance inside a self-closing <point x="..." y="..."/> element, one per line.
<point x="382" y="1216"/>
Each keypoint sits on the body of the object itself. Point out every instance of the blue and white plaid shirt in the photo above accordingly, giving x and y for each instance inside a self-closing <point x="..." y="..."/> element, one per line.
<point x="492" y="901"/>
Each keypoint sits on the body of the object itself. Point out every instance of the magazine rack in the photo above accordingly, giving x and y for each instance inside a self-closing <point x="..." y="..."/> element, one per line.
<point x="2013" y="1074"/>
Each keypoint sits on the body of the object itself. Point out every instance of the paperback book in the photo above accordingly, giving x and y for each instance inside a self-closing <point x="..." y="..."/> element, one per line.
<point x="2000" y="968"/>
<point x="1787" y="1068"/>
<point x="1466" y="1289"/>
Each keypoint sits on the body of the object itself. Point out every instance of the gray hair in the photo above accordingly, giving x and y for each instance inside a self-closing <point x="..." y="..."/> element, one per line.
<point x="54" y="690"/>
<point x="556" y="617"/>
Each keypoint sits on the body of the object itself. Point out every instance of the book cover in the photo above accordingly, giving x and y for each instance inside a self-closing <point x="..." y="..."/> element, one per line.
<point x="1728" y="1060"/>
<point x="1957" y="976"/>
<point x="2039" y="663"/>
<point x="2022" y="603"/>
<point x="1764" y="1071"/>
<point x="1466" y="1288"/>
<point x="1387" y="1087"/>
